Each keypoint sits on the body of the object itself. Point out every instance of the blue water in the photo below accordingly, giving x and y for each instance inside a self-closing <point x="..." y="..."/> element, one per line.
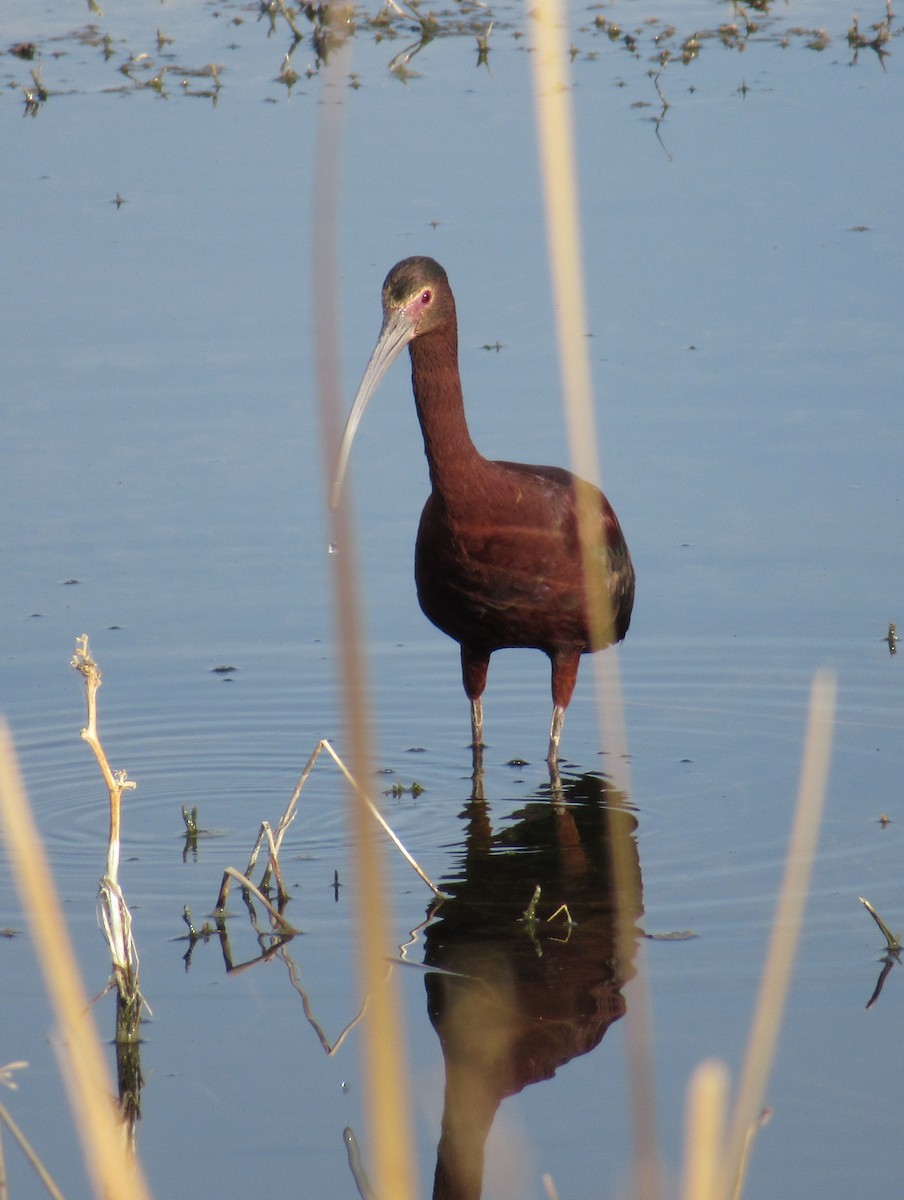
<point x="160" y="447"/>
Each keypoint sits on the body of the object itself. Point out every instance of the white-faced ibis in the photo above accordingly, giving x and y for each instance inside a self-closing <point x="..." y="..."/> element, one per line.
<point x="497" y="561"/>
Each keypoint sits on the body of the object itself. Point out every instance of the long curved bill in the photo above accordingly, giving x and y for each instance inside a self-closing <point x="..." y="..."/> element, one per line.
<point x="395" y="335"/>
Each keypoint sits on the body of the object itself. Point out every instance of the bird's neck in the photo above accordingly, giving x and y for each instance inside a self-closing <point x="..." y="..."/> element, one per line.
<point x="451" y="455"/>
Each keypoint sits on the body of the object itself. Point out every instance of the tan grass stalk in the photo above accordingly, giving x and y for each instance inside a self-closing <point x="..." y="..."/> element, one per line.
<point x="785" y="929"/>
<point x="384" y="1057"/>
<point x="115" y="1173"/>
<point x="555" y="125"/>
<point x="707" y="1100"/>
<point x="550" y="1188"/>
<point x="4" y="1189"/>
<point x="555" y="130"/>
<point x="30" y="1154"/>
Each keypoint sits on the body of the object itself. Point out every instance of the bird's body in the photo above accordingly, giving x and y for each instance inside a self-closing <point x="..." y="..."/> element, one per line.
<point x="498" y="559"/>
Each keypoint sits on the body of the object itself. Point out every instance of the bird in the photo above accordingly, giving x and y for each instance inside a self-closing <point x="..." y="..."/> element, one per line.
<point x="498" y="560"/>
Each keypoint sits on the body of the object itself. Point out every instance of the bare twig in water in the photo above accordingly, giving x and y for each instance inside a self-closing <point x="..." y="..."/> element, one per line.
<point x="563" y="908"/>
<point x="483" y="46"/>
<point x="379" y="818"/>
<point x="356" y="1166"/>
<point x="529" y="916"/>
<point x="330" y="1048"/>
<point x="247" y="885"/>
<point x="274" y="839"/>
<point x="892" y="954"/>
<point x="113" y="912"/>
<point x="893" y="941"/>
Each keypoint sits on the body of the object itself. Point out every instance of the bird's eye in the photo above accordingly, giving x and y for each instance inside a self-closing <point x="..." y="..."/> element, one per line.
<point x="426" y="296"/>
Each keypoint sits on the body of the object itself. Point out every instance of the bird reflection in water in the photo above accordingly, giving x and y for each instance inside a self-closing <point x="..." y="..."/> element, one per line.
<point x="513" y="1000"/>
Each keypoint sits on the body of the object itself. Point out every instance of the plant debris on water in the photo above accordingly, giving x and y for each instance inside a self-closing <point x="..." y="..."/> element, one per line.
<point x="304" y="36"/>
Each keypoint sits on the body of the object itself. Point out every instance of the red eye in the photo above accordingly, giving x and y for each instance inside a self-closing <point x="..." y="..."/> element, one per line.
<point x="426" y="296"/>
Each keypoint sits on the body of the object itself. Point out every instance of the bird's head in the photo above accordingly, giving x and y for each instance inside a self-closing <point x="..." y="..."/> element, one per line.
<point x="417" y="299"/>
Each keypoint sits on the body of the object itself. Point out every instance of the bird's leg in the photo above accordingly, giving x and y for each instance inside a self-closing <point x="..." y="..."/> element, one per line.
<point x="564" y="676"/>
<point x="555" y="781"/>
<point x="477" y="738"/>
<point x="477" y="724"/>
<point x="555" y="734"/>
<point x="478" y="792"/>
<point x="474" y="665"/>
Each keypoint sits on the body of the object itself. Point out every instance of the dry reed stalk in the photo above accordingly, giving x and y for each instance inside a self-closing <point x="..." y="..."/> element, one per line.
<point x="382" y="822"/>
<point x="384" y="1057"/>
<point x="274" y="843"/>
<point x="244" y="882"/>
<point x="114" y="1171"/>
<point x="552" y="92"/>
<point x="555" y="132"/>
<point x="114" y="914"/>
<point x="30" y="1154"/>
<point x="550" y="1188"/>
<point x="786" y="927"/>
<point x="707" y="1100"/>
<point x="892" y="940"/>
<point x="291" y="809"/>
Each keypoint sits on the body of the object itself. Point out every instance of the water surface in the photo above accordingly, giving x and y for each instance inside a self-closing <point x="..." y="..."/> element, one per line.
<point x="162" y="490"/>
